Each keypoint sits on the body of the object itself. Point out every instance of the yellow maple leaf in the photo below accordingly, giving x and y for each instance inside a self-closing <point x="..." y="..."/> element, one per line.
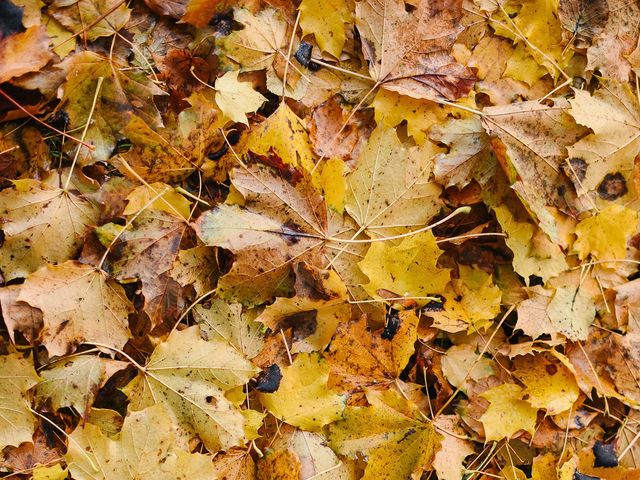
<point x="507" y="413"/>
<point x="604" y="236"/>
<point x="236" y="98"/>
<point x="325" y="19"/>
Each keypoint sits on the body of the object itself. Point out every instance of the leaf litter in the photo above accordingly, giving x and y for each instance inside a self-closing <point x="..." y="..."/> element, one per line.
<point x="283" y="239"/>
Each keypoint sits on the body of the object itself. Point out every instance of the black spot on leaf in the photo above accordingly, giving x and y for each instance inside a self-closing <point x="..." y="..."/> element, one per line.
<point x="613" y="186"/>
<point x="269" y="380"/>
<point x="576" y="168"/>
<point x="303" y="55"/>
<point x="605" y="455"/>
<point x="435" y="305"/>
<point x="392" y="326"/>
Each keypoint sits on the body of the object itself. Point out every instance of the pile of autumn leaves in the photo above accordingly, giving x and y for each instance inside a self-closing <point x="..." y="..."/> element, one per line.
<point x="327" y="240"/>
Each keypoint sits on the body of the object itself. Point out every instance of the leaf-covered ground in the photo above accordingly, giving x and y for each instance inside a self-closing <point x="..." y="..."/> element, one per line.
<point x="320" y="239"/>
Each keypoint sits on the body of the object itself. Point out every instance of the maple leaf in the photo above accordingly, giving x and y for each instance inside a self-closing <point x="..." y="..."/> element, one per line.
<point x="124" y="93"/>
<point x="469" y="155"/>
<point x="41" y="225"/>
<point x="283" y="221"/>
<point x="603" y="160"/>
<point x="173" y="152"/>
<point x="19" y="316"/>
<point x="303" y="398"/>
<point x="470" y="302"/>
<point x="319" y="304"/>
<point x="582" y="19"/>
<point x="226" y="322"/>
<point x="392" y="434"/>
<point x="92" y="19"/>
<point x="146" y="446"/>
<point x="170" y="201"/>
<point x="24" y="52"/>
<point x="16" y="420"/>
<point x="325" y="20"/>
<point x="549" y="385"/>
<point x="409" y="53"/>
<point x="190" y="376"/>
<point x="285" y="133"/>
<point x="147" y="252"/>
<point x="507" y="413"/>
<point x="448" y="461"/>
<point x="236" y="98"/>
<point x="390" y="185"/>
<point x="80" y="304"/>
<point x="407" y="269"/>
<point x="533" y="252"/>
<point x="197" y="266"/>
<point x="75" y="382"/>
<point x="359" y="357"/>
<point x="518" y="136"/>
<point x="571" y="312"/>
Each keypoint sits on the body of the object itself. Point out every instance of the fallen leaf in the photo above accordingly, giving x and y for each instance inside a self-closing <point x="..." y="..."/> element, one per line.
<point x="92" y="19"/>
<point x="507" y="414"/>
<point x="303" y="399"/>
<point x="41" y="225"/>
<point x="17" y="423"/>
<point x="146" y="446"/>
<point x="325" y="20"/>
<point x="189" y="376"/>
<point x="604" y="235"/>
<point x="24" y="52"/>
<point x="407" y="269"/>
<point x="319" y="305"/>
<point x="80" y="304"/>
<point x="236" y="98"/>
<point x="409" y="53"/>
<point x="391" y="433"/>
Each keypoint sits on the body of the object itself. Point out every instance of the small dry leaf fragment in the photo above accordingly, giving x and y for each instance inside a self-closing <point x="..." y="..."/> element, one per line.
<point x="449" y="460"/>
<point x="17" y="423"/>
<point x="19" y="316"/>
<point x="507" y="413"/>
<point x="189" y="376"/>
<point x="303" y="398"/>
<point x="147" y="446"/>
<point x="24" y="52"/>
<point x="197" y="266"/>
<point x="80" y="304"/>
<point x="391" y="433"/>
<point x="471" y="302"/>
<point x="236" y="98"/>
<point x="41" y="225"/>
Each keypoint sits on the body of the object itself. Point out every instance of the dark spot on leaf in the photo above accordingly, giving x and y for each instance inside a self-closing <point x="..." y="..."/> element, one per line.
<point x="605" y="455"/>
<point x="302" y="330"/>
<point x="613" y="186"/>
<point x="551" y="369"/>
<point x="392" y="326"/>
<point x="303" y="54"/>
<point x="576" y="168"/>
<point x="269" y="380"/>
<point x="223" y="23"/>
<point x="435" y="305"/>
<point x="289" y="172"/>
